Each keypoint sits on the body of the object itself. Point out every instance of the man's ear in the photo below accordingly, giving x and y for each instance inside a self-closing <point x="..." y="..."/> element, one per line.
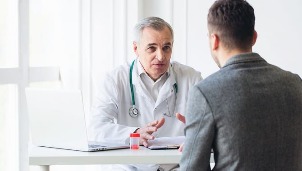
<point x="214" y="41"/>
<point x="135" y="47"/>
<point x="255" y="35"/>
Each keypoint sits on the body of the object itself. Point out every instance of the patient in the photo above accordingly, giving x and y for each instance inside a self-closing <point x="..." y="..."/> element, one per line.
<point x="249" y="112"/>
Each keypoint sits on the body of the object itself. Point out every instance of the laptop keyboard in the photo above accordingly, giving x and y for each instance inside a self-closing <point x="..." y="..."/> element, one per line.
<point x="95" y="146"/>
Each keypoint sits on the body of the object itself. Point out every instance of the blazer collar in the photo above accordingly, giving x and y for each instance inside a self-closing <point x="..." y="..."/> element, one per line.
<point x="243" y="58"/>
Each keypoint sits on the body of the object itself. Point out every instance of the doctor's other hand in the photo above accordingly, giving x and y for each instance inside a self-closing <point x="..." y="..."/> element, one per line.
<point x="146" y="132"/>
<point x="181" y="117"/>
<point x="181" y="147"/>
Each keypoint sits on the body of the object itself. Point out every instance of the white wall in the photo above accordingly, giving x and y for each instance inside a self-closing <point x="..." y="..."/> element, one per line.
<point x="279" y="27"/>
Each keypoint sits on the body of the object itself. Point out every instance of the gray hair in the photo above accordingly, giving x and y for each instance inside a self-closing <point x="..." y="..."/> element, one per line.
<point x="155" y="23"/>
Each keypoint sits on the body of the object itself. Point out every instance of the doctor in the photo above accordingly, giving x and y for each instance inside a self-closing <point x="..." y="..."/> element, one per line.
<point x="145" y="95"/>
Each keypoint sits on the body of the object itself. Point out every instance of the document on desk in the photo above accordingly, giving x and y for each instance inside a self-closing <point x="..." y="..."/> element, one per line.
<point x="161" y="143"/>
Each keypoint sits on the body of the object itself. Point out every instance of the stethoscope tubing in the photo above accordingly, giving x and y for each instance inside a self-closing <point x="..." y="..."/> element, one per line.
<point x="131" y="84"/>
<point x="133" y="111"/>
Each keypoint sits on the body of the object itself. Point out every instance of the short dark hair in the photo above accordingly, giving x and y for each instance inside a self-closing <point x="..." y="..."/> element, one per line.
<point x="234" y="22"/>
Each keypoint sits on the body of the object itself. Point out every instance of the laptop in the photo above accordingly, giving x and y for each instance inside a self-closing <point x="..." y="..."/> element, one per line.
<point x="57" y="120"/>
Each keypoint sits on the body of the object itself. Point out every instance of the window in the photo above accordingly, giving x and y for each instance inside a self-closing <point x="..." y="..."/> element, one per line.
<point x="8" y="84"/>
<point x="8" y="127"/>
<point x="15" y="75"/>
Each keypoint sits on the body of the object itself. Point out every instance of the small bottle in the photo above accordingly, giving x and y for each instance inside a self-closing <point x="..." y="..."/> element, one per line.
<point x="134" y="141"/>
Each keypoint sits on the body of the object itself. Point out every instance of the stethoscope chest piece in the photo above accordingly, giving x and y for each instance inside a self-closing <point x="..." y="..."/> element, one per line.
<point x="133" y="112"/>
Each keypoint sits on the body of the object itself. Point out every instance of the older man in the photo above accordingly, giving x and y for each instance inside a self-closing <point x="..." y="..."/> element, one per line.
<point x="144" y="96"/>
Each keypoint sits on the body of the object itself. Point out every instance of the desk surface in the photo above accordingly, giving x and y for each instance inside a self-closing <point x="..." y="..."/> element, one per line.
<point x="51" y="156"/>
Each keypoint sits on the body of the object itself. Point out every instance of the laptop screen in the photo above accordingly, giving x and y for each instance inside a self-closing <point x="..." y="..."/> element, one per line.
<point x="57" y="118"/>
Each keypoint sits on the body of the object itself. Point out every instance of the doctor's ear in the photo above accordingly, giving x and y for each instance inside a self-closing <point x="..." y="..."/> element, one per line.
<point x="135" y="47"/>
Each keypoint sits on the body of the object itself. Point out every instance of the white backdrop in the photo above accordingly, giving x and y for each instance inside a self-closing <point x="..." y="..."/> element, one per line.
<point x="278" y="24"/>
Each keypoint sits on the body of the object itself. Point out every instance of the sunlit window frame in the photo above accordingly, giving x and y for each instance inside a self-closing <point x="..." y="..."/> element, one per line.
<point x="21" y="76"/>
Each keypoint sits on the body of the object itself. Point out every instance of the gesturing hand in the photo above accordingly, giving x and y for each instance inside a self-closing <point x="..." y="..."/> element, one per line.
<point x="181" y="117"/>
<point x="183" y="120"/>
<point x="146" y="132"/>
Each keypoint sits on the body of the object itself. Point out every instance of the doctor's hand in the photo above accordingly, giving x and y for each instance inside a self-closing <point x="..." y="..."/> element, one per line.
<point x="181" y="117"/>
<point x="146" y="132"/>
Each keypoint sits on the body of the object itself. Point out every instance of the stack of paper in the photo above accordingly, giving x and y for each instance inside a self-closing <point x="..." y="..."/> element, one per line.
<point x="166" y="143"/>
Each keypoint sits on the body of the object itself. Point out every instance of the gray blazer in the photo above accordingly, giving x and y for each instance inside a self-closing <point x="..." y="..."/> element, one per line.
<point x="250" y="114"/>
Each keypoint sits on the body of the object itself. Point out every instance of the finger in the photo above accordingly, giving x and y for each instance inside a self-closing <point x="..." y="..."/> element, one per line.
<point x="143" y="142"/>
<point x="160" y="122"/>
<point x="181" y="148"/>
<point x="144" y="139"/>
<point x="181" y="117"/>
<point x="148" y="130"/>
<point x="147" y="136"/>
<point x="153" y="123"/>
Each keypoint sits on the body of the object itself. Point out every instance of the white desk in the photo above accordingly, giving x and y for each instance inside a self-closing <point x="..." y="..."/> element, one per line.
<point x="44" y="157"/>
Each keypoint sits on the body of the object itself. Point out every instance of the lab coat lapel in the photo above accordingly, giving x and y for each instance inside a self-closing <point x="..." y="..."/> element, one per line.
<point x="167" y="90"/>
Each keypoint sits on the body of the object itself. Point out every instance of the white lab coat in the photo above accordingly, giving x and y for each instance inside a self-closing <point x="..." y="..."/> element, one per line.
<point x="110" y="117"/>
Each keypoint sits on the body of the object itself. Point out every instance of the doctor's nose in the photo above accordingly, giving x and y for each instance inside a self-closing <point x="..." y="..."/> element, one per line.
<point x="160" y="55"/>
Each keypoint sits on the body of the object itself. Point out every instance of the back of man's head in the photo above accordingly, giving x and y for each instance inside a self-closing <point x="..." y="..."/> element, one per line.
<point x="233" y="21"/>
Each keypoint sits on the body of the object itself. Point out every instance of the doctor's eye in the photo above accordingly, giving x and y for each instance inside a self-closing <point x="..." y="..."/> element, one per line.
<point x="167" y="48"/>
<point x="151" y="49"/>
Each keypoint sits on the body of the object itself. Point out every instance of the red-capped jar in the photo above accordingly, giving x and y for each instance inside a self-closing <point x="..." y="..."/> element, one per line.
<point x="134" y="141"/>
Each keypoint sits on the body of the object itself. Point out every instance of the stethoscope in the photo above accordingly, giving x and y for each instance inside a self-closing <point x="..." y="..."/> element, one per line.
<point x="133" y="111"/>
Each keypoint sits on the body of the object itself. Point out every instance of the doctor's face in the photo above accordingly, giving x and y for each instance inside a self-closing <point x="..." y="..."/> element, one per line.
<point x="154" y="51"/>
